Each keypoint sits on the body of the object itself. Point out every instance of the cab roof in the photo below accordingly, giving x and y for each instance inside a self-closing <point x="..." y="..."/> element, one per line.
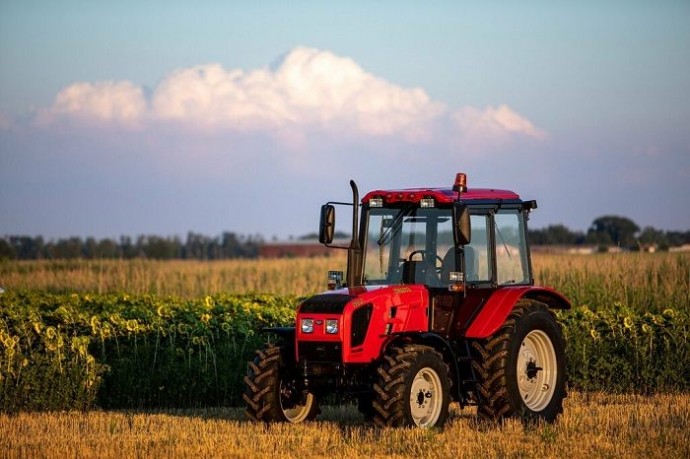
<point x="440" y="195"/>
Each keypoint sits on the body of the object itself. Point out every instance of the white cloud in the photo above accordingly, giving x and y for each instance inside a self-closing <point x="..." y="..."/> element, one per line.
<point x="325" y="89"/>
<point x="109" y="101"/>
<point x="307" y="90"/>
<point x="210" y="96"/>
<point x="492" y="126"/>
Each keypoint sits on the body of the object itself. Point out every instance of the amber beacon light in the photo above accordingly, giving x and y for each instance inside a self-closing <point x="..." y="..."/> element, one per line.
<point x="460" y="184"/>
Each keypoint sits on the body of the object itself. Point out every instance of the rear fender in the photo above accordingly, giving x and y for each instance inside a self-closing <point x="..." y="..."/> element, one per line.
<point x="497" y="308"/>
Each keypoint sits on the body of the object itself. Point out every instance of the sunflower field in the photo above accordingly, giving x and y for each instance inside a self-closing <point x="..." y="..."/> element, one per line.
<point x="66" y="347"/>
<point x="114" y="351"/>
<point x="78" y="351"/>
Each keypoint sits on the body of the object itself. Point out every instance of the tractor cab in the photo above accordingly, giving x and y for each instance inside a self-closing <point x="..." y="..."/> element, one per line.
<point x="410" y="244"/>
<point x="450" y="239"/>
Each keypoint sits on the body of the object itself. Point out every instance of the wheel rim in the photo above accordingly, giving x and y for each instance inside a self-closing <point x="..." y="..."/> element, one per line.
<point x="295" y="412"/>
<point x="537" y="370"/>
<point x="425" y="397"/>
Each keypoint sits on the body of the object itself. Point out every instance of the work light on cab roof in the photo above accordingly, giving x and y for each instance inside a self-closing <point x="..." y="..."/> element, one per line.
<point x="438" y="306"/>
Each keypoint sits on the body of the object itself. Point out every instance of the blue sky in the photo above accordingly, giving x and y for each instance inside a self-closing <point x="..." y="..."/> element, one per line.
<point x="163" y="117"/>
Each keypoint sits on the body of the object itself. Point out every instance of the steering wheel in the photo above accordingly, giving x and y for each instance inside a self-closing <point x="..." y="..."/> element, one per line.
<point x="433" y="272"/>
<point x="425" y="254"/>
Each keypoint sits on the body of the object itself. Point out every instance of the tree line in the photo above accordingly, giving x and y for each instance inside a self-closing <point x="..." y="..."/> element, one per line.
<point x="195" y="247"/>
<point x="605" y="231"/>
<point x="611" y="230"/>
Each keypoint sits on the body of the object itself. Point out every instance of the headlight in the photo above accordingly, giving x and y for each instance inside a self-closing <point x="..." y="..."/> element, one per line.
<point x="376" y="202"/>
<point x="427" y="202"/>
<point x="331" y="326"/>
<point x="307" y="325"/>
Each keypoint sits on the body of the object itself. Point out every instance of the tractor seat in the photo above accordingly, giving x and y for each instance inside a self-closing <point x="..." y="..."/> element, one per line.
<point x="448" y="265"/>
<point x="415" y="272"/>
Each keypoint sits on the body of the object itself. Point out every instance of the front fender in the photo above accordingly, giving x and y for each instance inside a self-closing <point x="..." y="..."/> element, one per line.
<point x="437" y="342"/>
<point x="497" y="308"/>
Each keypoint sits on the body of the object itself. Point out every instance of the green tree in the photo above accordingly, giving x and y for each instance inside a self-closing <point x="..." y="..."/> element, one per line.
<point x="107" y="248"/>
<point x="612" y="229"/>
<point x="650" y="235"/>
<point x="6" y="250"/>
<point x="64" y="249"/>
<point x="556" y="234"/>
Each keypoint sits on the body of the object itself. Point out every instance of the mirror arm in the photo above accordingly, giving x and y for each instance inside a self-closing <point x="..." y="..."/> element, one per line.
<point x="354" y="252"/>
<point x="354" y="244"/>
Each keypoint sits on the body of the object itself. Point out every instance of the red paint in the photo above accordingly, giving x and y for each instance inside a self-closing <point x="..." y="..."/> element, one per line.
<point x="440" y="195"/>
<point x="295" y="249"/>
<point x="497" y="308"/>
<point x="411" y="303"/>
<point x="411" y="315"/>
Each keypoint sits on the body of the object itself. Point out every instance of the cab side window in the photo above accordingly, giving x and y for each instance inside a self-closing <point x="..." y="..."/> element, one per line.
<point x="477" y="267"/>
<point x="511" y="248"/>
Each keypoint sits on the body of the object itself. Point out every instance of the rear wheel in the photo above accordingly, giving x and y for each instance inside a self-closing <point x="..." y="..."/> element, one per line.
<point x="413" y="388"/>
<point x="522" y="367"/>
<point x="272" y="394"/>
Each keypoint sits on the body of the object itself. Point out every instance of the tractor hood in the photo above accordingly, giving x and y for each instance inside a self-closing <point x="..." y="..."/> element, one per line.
<point x="361" y="319"/>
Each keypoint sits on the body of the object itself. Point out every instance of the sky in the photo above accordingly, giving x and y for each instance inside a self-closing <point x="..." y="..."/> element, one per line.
<point x="164" y="117"/>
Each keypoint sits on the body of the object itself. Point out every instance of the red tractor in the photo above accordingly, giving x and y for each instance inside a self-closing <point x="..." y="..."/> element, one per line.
<point x="438" y="305"/>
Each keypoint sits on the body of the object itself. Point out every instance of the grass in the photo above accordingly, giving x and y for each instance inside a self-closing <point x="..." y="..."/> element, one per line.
<point x="639" y="281"/>
<point x="593" y="425"/>
<point x="182" y="278"/>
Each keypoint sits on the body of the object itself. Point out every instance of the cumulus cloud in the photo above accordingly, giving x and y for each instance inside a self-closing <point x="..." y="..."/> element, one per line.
<point x="492" y="125"/>
<point x="109" y="102"/>
<point x="308" y="89"/>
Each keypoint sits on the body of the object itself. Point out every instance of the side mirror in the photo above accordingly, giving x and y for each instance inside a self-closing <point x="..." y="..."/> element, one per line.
<point x="461" y="225"/>
<point x="327" y="225"/>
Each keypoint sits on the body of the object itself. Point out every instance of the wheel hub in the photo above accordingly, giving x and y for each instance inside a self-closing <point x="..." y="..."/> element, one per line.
<point x="294" y="408"/>
<point x="425" y="397"/>
<point x="532" y="369"/>
<point x="536" y="370"/>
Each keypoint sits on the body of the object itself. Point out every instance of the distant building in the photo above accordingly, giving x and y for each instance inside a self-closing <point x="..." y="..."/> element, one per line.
<point x="569" y="249"/>
<point x="299" y="248"/>
<point x="648" y="248"/>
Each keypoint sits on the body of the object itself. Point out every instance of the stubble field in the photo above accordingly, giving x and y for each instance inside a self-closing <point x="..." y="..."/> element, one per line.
<point x="646" y="297"/>
<point x="593" y="425"/>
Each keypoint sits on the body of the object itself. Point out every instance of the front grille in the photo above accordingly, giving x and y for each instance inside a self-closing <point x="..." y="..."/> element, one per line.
<point x="360" y="324"/>
<point x="320" y="351"/>
<point x="329" y="303"/>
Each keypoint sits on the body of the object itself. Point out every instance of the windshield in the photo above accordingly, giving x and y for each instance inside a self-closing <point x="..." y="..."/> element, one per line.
<point x="421" y="235"/>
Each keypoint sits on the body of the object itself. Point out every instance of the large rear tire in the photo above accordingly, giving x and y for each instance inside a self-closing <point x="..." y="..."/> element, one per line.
<point x="271" y="394"/>
<point x="521" y="368"/>
<point x="413" y="388"/>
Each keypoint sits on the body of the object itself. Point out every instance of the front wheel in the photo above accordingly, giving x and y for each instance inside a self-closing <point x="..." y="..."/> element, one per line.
<point x="521" y="368"/>
<point x="271" y="394"/>
<point x="413" y="388"/>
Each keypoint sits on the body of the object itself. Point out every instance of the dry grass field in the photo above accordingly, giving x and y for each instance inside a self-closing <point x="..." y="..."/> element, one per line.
<point x="594" y="425"/>
<point x="637" y="280"/>
<point x="182" y="278"/>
